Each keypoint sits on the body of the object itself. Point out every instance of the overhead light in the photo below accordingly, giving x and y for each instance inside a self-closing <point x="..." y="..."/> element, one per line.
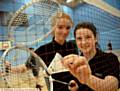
<point x="68" y="1"/>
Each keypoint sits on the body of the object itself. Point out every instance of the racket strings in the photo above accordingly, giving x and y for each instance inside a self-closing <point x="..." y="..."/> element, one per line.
<point x="17" y="78"/>
<point x="40" y="8"/>
<point x="21" y="79"/>
<point x="32" y="19"/>
<point x="20" y="20"/>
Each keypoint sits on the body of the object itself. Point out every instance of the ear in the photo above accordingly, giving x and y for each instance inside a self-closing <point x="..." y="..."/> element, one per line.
<point x="97" y="38"/>
<point x="53" y="30"/>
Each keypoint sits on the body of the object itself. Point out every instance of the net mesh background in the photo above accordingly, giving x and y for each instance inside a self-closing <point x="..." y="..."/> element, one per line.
<point x="108" y="25"/>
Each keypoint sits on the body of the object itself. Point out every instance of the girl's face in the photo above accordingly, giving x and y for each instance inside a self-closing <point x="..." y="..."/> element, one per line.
<point x="62" y="29"/>
<point x="85" y="39"/>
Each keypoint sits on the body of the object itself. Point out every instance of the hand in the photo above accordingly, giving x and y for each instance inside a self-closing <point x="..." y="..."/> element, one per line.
<point x="78" y="67"/>
<point x="7" y="66"/>
<point x="1" y="73"/>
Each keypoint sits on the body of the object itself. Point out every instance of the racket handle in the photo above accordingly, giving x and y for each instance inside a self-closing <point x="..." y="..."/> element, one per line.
<point x="71" y="84"/>
<point x="48" y="73"/>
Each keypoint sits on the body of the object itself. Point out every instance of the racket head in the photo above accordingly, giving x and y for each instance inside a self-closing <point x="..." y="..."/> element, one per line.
<point x="17" y="56"/>
<point x="31" y="23"/>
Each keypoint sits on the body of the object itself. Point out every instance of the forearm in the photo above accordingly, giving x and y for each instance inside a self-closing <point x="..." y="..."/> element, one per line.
<point x="19" y="69"/>
<point x="110" y="83"/>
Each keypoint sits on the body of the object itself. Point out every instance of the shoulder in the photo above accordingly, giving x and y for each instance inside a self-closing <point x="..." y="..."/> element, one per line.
<point x="43" y="47"/>
<point x="71" y="42"/>
<point x="111" y="55"/>
<point x="46" y="45"/>
<point x="106" y="56"/>
<point x="110" y="58"/>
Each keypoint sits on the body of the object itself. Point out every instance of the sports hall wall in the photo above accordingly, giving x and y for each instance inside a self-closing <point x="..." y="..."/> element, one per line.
<point x="108" y="25"/>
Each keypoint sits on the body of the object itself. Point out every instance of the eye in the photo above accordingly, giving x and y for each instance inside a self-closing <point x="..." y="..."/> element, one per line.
<point x="79" y="38"/>
<point x="68" y="27"/>
<point x="60" y="27"/>
<point x="87" y="37"/>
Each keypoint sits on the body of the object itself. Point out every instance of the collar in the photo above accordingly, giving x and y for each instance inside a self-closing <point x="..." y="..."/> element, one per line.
<point x="57" y="44"/>
<point x="98" y="52"/>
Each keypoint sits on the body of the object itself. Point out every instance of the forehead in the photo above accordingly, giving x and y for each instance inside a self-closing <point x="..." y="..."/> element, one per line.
<point x="63" y="21"/>
<point x="83" y="32"/>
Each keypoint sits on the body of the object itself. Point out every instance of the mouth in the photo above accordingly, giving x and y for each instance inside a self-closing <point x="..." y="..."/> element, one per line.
<point x="64" y="36"/>
<point x="85" y="47"/>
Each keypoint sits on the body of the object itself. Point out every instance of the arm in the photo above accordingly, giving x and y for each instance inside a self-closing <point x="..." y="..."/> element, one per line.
<point x="78" y="66"/>
<point x="110" y="83"/>
<point x="15" y="69"/>
<point x="30" y="64"/>
<point x="19" y="69"/>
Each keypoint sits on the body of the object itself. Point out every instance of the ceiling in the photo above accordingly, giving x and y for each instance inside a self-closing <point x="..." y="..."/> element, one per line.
<point x="70" y="3"/>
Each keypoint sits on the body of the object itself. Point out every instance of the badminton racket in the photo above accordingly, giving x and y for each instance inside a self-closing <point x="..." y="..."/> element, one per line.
<point x="13" y="75"/>
<point x="31" y="22"/>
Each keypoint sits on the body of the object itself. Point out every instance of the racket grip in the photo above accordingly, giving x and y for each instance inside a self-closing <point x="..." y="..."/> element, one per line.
<point x="72" y="84"/>
<point x="47" y="72"/>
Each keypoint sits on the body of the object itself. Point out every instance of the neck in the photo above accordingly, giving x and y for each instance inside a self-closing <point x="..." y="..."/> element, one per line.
<point x="90" y="55"/>
<point x="61" y="42"/>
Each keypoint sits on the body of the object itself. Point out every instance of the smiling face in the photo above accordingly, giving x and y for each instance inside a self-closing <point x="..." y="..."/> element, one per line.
<point x="85" y="39"/>
<point x="62" y="29"/>
<point x="61" y="25"/>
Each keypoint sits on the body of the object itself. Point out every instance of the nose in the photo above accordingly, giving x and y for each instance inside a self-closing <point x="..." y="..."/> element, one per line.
<point x="83" y="41"/>
<point x="66" y="31"/>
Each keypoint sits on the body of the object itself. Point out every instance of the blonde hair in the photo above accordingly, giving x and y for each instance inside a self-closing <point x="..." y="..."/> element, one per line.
<point x="60" y="15"/>
<point x="57" y="16"/>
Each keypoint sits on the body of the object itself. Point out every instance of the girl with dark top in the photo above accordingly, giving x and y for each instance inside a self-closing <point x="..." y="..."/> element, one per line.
<point x="94" y="69"/>
<point x="61" y="24"/>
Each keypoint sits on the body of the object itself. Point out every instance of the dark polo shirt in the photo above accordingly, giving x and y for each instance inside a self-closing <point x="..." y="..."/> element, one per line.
<point x="102" y="65"/>
<point x="47" y="53"/>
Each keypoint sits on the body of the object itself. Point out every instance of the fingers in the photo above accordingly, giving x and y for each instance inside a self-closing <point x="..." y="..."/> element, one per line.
<point x="78" y="67"/>
<point x="7" y="63"/>
<point x="73" y="61"/>
<point x="83" y="74"/>
<point x="68" y="59"/>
